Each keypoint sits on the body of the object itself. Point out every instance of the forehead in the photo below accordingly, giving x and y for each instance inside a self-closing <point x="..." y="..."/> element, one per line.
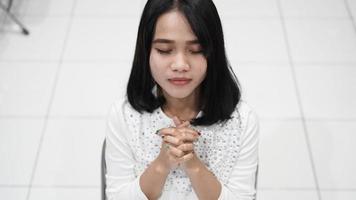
<point x="173" y="26"/>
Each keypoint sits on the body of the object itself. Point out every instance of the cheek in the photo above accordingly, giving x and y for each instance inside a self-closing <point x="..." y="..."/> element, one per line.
<point x="152" y="60"/>
<point x="201" y="64"/>
<point x="155" y="60"/>
<point x="155" y="65"/>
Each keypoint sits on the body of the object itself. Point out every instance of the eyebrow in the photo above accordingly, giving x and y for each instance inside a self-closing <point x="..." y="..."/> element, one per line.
<point x="166" y="41"/>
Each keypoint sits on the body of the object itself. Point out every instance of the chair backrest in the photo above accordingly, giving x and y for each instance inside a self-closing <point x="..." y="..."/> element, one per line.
<point x="103" y="172"/>
<point x="256" y="179"/>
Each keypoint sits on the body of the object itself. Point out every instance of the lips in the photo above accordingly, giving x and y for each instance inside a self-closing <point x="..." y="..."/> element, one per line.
<point x="179" y="81"/>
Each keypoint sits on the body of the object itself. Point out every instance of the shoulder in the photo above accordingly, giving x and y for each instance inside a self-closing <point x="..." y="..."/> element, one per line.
<point x="123" y="109"/>
<point x="122" y="116"/>
<point x="243" y="107"/>
<point x="250" y="126"/>
<point x="247" y="115"/>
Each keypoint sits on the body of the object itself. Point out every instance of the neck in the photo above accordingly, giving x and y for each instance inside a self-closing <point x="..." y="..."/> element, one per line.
<point x="185" y="108"/>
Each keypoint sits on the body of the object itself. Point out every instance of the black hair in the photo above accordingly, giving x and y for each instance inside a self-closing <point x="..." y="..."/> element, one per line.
<point x="220" y="91"/>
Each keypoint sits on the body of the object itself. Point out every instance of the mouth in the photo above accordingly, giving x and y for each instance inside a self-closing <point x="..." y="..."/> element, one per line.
<point x="179" y="81"/>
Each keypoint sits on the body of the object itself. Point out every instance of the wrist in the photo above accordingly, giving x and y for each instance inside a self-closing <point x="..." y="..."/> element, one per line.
<point x="193" y="166"/>
<point x="160" y="166"/>
<point x="192" y="170"/>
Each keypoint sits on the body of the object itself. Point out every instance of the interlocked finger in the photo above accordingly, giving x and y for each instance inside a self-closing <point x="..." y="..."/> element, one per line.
<point x="186" y="147"/>
<point x="168" y="131"/>
<point x="188" y="136"/>
<point x="173" y="140"/>
<point x="189" y="130"/>
<point x="187" y="157"/>
<point x="166" y="146"/>
<point x="176" y="152"/>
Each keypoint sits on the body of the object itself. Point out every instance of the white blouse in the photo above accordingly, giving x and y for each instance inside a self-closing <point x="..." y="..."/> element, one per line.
<point x="229" y="150"/>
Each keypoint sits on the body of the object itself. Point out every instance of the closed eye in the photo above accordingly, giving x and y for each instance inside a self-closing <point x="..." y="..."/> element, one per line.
<point x="163" y="51"/>
<point x="196" y="52"/>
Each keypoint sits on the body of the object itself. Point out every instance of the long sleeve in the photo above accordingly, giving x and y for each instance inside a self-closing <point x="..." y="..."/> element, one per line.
<point x="120" y="178"/>
<point x="241" y="185"/>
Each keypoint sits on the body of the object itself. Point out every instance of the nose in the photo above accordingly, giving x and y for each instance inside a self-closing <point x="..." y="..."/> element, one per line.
<point x="180" y="63"/>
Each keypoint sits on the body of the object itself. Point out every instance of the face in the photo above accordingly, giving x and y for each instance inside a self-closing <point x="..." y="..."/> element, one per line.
<point x="176" y="59"/>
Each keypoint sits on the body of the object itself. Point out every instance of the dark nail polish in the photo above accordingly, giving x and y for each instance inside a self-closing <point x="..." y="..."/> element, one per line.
<point x="157" y="132"/>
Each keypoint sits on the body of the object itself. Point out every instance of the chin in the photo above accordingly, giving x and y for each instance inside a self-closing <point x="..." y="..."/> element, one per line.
<point x="179" y="95"/>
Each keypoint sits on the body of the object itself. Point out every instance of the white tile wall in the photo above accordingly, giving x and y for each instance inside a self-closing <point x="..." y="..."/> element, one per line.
<point x="352" y="7"/>
<point x="107" y="8"/>
<point x="19" y="140"/>
<point x="45" y="42"/>
<point x="70" y="153"/>
<point x="285" y="160"/>
<point x="65" y="193"/>
<point x="338" y="195"/>
<point x="26" y="87"/>
<point x="332" y="143"/>
<point x="247" y="9"/>
<point x="89" y="88"/>
<point x="286" y="194"/>
<point x="255" y="40"/>
<point x="314" y="8"/>
<point x="262" y="86"/>
<point x="13" y="193"/>
<point x="322" y="41"/>
<point x="101" y="39"/>
<point x="327" y="92"/>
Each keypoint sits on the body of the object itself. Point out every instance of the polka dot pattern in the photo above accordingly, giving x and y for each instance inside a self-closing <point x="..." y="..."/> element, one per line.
<point x="218" y="146"/>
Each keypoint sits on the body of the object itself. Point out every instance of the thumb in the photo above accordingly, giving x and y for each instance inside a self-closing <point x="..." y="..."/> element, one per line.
<point x="176" y="121"/>
<point x="186" y="123"/>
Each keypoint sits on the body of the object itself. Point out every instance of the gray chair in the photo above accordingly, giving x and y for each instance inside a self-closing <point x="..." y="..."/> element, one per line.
<point x="103" y="172"/>
<point x="256" y="177"/>
<point x="6" y="9"/>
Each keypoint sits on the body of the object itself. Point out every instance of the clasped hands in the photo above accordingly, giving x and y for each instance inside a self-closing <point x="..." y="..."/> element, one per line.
<point x="177" y="144"/>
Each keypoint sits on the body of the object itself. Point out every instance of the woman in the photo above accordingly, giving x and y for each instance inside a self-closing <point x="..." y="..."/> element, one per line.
<point x="182" y="131"/>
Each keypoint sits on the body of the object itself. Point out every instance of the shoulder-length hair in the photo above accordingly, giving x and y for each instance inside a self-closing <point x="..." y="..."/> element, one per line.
<point x="220" y="91"/>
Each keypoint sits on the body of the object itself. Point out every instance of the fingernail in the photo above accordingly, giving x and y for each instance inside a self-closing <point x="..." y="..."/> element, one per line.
<point x="157" y="132"/>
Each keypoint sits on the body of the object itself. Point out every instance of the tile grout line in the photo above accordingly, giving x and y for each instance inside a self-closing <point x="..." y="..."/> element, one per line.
<point x="55" y="82"/>
<point x="351" y="17"/>
<point x="292" y="67"/>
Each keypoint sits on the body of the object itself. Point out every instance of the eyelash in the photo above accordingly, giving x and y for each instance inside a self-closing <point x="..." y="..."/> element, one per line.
<point x="196" y="52"/>
<point x="163" y="52"/>
<point x="169" y="51"/>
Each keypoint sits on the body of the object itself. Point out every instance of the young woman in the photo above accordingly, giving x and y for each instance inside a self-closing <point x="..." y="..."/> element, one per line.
<point x="182" y="131"/>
